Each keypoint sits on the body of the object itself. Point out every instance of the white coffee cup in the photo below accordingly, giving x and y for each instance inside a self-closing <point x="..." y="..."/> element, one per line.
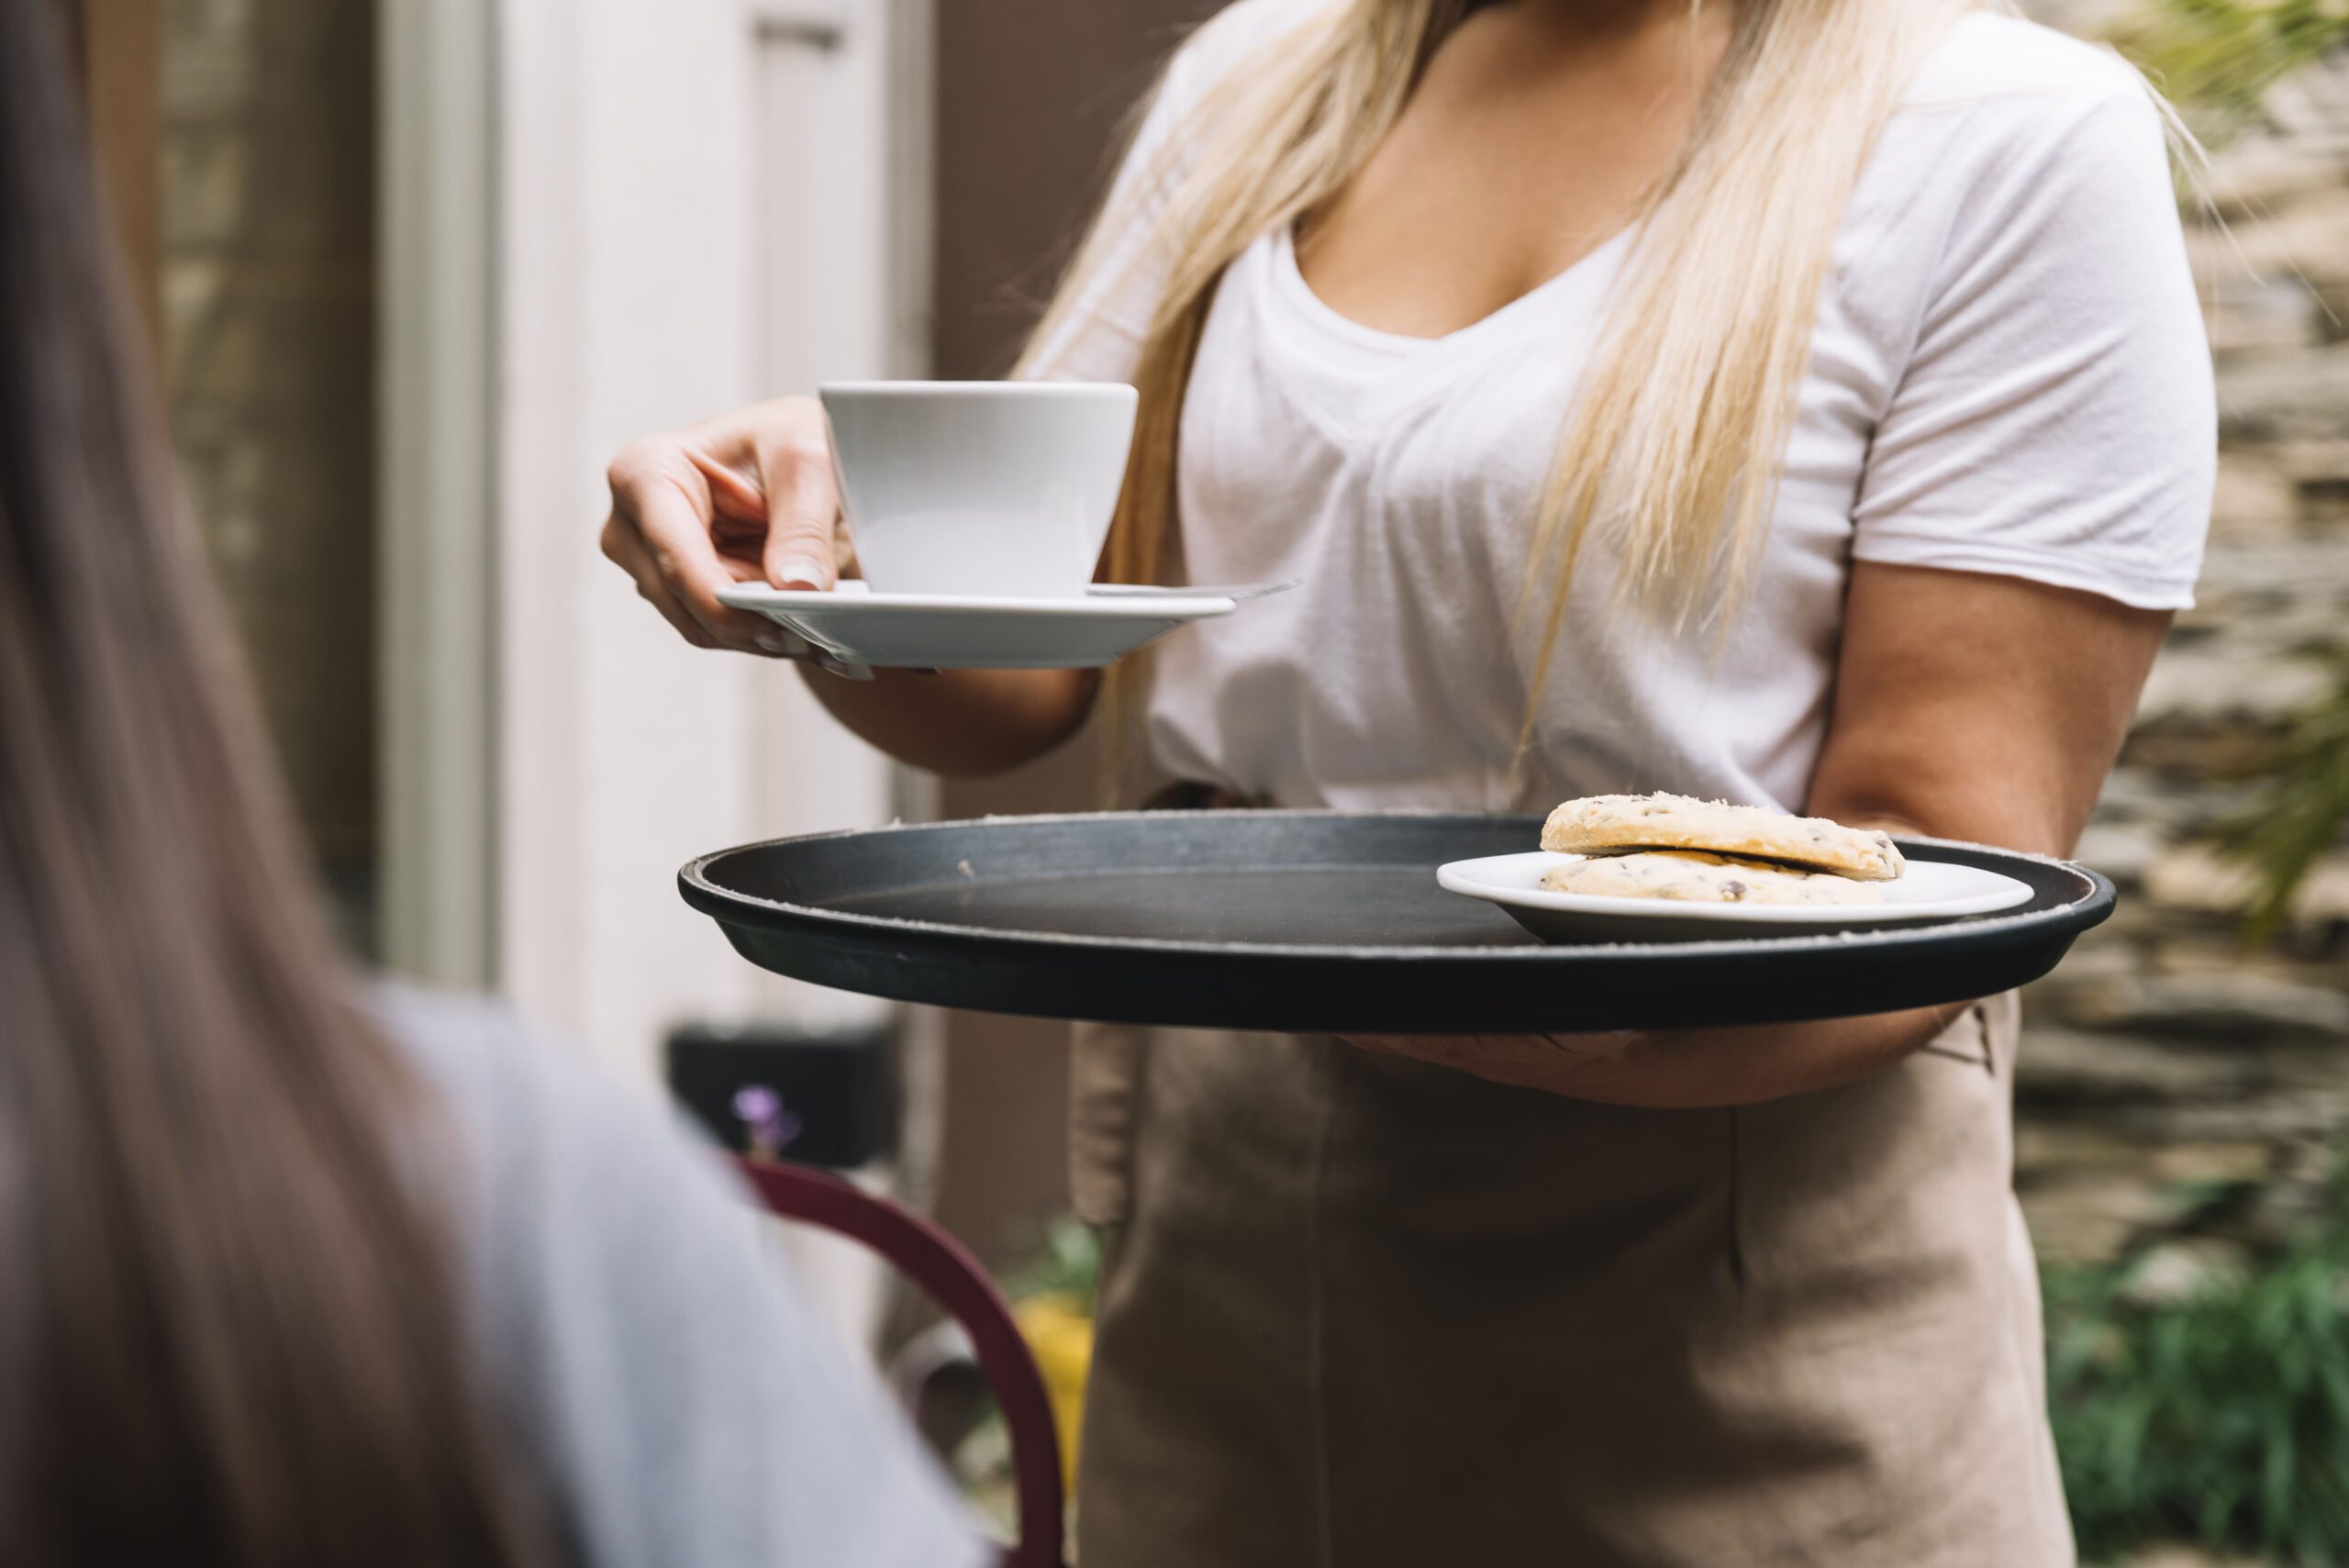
<point x="998" y="488"/>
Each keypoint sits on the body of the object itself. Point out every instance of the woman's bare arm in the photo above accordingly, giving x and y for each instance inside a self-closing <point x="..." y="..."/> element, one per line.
<point x="961" y="723"/>
<point x="1967" y="707"/>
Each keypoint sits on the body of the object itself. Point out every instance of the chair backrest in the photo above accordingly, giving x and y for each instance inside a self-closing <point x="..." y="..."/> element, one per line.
<point x="945" y="1269"/>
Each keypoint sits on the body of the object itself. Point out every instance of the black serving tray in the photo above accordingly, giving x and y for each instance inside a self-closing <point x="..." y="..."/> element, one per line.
<point x="1312" y="922"/>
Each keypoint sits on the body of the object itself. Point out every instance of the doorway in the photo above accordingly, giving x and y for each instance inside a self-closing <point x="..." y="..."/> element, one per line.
<point x="1031" y="95"/>
<point x="234" y="141"/>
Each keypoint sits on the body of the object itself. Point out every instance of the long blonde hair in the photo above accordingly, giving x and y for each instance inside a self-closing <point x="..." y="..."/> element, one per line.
<point x="1674" y="444"/>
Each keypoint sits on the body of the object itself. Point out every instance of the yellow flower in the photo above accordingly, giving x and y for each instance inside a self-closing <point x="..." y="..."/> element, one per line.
<point x="1060" y="1336"/>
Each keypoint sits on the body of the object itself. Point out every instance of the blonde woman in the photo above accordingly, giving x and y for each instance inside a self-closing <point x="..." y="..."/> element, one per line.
<point x="1802" y="401"/>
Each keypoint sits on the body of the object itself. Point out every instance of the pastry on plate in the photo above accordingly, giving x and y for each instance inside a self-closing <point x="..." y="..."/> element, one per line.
<point x="1696" y="876"/>
<point x="1624" y="824"/>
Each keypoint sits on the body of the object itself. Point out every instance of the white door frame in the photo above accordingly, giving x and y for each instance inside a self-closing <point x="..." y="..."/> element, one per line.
<point x="516" y="353"/>
<point x="436" y="680"/>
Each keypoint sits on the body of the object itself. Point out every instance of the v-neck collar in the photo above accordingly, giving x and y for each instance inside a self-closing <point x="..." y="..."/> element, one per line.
<point x="1291" y="273"/>
<point x="1358" y="376"/>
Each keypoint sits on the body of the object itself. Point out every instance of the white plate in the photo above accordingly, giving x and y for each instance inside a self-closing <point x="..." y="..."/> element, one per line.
<point x="940" y="632"/>
<point x="1927" y="890"/>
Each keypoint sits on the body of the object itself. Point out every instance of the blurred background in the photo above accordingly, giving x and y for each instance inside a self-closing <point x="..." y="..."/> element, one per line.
<point x="413" y="270"/>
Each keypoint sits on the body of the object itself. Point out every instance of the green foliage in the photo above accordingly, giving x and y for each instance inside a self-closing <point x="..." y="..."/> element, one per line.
<point x="2220" y="1419"/>
<point x="2297" y="813"/>
<point x="2217" y="58"/>
<point x="1069" y="1263"/>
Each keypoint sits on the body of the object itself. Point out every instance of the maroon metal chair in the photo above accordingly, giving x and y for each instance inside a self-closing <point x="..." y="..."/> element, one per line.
<point x="945" y="1269"/>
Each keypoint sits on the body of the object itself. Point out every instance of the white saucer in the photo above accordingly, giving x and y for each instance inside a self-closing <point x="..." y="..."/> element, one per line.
<point x="1927" y="890"/>
<point x="946" y="632"/>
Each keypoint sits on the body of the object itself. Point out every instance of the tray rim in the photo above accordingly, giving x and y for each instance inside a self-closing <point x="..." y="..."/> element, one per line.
<point x="709" y="898"/>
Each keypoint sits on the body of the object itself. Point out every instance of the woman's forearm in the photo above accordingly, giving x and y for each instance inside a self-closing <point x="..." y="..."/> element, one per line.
<point x="960" y="723"/>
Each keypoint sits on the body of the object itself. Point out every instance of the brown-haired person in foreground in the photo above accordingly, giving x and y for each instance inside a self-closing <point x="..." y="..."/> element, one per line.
<point x="292" y="1273"/>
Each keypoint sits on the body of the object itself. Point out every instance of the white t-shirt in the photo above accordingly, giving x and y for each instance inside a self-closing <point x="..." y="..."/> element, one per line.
<point x="2009" y="374"/>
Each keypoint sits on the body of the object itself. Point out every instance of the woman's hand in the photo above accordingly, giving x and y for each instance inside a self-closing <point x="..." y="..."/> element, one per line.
<point x="1967" y="707"/>
<point x="744" y="497"/>
<point x="748" y="496"/>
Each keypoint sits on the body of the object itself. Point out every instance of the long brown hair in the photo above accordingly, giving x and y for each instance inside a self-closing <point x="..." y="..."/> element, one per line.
<point x="229" y="1319"/>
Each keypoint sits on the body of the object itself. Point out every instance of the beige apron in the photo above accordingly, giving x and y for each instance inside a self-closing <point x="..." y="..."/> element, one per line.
<point x="1361" y="1312"/>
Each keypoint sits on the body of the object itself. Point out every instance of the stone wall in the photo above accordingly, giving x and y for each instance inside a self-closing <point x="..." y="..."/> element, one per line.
<point x="2175" y="1082"/>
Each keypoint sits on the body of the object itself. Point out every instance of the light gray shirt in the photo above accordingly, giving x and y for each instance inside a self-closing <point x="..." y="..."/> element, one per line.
<point x="687" y="1409"/>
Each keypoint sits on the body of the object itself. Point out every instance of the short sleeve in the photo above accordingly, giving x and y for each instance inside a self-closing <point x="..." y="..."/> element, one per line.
<point x="2055" y="419"/>
<point x="1101" y="336"/>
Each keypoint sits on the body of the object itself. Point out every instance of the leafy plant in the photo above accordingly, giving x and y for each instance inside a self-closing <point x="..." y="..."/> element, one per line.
<point x="2217" y="58"/>
<point x="1068" y="1264"/>
<point x="2297" y="814"/>
<point x="2220" y="1419"/>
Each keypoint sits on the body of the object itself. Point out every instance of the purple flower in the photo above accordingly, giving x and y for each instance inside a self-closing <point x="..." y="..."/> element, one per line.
<point x="770" y="1126"/>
